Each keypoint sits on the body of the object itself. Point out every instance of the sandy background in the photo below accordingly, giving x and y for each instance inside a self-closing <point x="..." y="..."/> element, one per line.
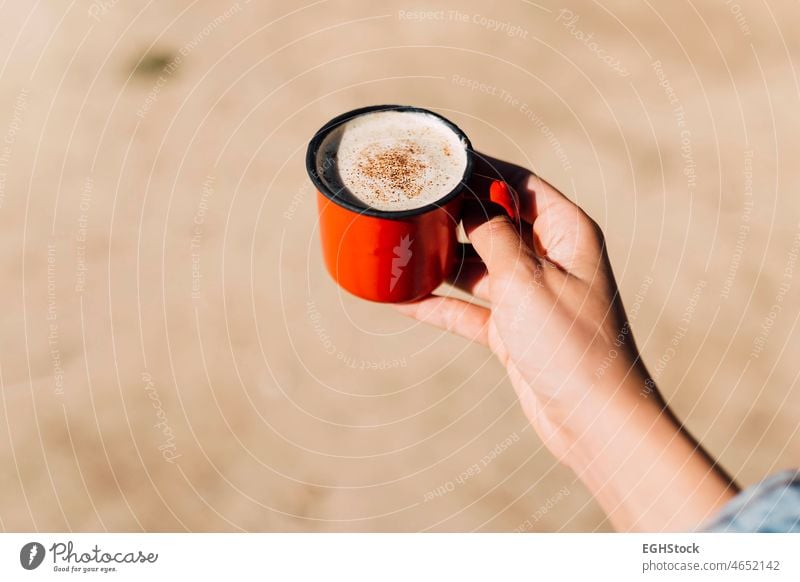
<point x="173" y="356"/>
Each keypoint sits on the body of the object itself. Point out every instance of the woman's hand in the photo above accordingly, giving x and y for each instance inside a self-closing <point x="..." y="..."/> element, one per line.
<point x="556" y="322"/>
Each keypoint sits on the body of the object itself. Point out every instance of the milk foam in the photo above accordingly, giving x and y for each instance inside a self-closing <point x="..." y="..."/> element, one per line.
<point x="393" y="160"/>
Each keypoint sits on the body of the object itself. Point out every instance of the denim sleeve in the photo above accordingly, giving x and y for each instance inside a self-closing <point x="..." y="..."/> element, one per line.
<point x="773" y="505"/>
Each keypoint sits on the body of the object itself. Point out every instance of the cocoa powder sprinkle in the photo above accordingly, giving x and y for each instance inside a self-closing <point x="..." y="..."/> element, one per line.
<point x="400" y="167"/>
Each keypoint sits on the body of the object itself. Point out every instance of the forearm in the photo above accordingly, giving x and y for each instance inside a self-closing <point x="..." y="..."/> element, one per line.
<point x="645" y="470"/>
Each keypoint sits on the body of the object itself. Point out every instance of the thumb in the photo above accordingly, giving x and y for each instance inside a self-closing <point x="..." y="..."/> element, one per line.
<point x="495" y="238"/>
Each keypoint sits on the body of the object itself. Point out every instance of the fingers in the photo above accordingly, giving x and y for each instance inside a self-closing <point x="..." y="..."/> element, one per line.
<point x="473" y="278"/>
<point x="572" y="241"/>
<point x="542" y="198"/>
<point x="533" y="194"/>
<point x="562" y="232"/>
<point x="495" y="238"/>
<point x="460" y="317"/>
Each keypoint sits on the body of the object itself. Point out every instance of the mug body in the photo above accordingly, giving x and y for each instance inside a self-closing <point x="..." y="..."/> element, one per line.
<point x="387" y="256"/>
<point x="389" y="260"/>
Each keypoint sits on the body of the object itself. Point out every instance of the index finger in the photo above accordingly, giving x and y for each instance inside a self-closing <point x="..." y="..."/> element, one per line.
<point x="534" y="195"/>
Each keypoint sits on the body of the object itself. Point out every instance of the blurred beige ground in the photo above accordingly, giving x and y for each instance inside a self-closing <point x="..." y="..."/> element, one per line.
<point x="173" y="356"/>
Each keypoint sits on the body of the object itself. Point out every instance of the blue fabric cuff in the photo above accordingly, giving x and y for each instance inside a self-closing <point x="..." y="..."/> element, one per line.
<point x="773" y="505"/>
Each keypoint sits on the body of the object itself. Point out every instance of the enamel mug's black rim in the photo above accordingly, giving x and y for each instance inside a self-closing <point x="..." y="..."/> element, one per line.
<point x="316" y="141"/>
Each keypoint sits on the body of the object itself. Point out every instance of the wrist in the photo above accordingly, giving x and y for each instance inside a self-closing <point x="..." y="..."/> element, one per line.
<point x="643" y="467"/>
<point x="616" y="422"/>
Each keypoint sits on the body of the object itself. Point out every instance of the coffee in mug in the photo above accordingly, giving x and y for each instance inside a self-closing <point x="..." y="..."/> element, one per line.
<point x="390" y="181"/>
<point x="393" y="160"/>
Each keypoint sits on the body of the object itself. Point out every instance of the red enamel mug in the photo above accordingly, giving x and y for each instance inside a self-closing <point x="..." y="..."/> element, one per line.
<point x="389" y="256"/>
